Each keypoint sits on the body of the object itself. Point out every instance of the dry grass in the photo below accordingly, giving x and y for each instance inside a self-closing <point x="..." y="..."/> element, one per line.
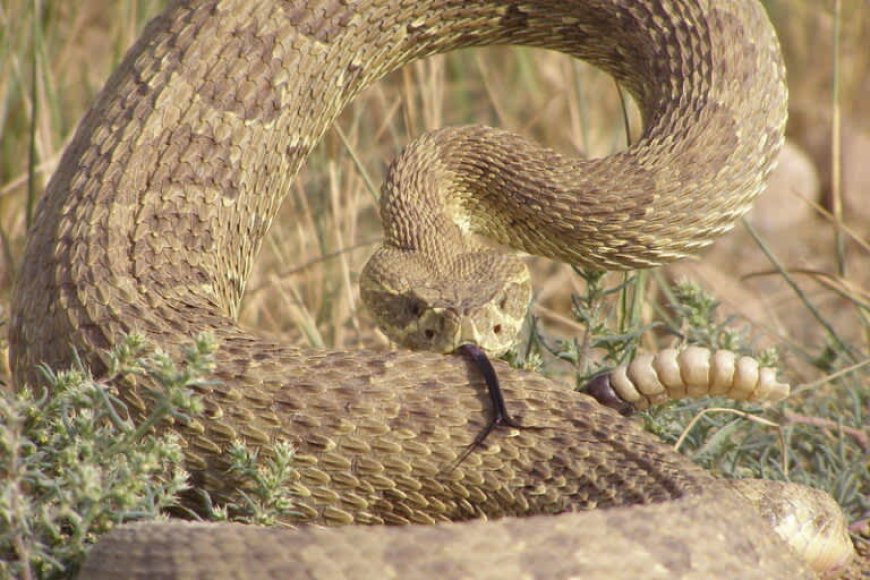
<point x="304" y="285"/>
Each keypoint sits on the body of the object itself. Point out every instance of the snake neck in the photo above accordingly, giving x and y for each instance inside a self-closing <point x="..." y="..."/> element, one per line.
<point x="669" y="195"/>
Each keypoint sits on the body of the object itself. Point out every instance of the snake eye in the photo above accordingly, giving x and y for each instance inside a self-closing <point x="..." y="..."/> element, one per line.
<point x="496" y="329"/>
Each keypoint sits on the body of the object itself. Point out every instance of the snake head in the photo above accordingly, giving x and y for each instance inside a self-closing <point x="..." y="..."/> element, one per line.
<point x="421" y="303"/>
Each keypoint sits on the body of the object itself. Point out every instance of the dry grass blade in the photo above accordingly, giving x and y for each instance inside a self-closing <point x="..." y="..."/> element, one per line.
<point x="741" y="414"/>
<point x="842" y="286"/>
<point x="831" y="377"/>
<point x="859" y="435"/>
<point x="783" y="272"/>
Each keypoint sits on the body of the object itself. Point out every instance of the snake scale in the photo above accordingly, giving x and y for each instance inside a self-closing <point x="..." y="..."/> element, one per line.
<point x="163" y="197"/>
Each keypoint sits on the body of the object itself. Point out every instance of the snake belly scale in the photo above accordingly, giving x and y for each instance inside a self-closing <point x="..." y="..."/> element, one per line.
<point x="163" y="197"/>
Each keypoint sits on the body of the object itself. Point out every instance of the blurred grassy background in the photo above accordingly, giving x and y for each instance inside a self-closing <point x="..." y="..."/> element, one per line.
<point x="55" y="55"/>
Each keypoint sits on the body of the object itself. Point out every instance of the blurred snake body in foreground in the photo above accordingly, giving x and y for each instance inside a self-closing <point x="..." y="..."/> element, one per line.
<point x="163" y="197"/>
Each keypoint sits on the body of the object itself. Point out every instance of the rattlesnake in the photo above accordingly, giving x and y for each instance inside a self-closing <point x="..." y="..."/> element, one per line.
<point x="163" y="197"/>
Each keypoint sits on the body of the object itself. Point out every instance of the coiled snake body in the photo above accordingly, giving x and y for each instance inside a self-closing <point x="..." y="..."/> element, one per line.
<point x="163" y="197"/>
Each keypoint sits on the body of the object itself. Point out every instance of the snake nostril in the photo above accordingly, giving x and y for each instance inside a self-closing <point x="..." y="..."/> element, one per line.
<point x="429" y="333"/>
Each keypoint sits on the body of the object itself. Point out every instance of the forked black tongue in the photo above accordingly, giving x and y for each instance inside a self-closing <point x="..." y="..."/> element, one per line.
<point x="499" y="409"/>
<point x="501" y="417"/>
